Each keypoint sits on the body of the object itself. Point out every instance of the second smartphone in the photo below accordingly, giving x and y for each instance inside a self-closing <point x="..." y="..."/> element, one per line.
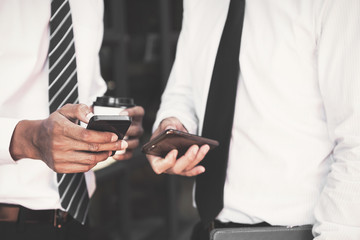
<point x="173" y="139"/>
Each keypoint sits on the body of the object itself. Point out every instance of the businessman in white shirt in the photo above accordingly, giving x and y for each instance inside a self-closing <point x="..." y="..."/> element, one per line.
<point x="37" y="201"/>
<point x="294" y="154"/>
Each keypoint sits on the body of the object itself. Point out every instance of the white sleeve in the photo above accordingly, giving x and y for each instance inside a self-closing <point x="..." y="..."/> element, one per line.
<point x="6" y="130"/>
<point x="338" y="210"/>
<point x="177" y="99"/>
<point x="98" y="86"/>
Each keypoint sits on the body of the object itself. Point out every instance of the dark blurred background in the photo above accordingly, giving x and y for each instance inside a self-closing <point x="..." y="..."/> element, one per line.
<point x="131" y="201"/>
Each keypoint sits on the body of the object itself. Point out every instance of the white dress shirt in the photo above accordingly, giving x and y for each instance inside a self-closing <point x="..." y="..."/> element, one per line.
<point x="295" y="148"/>
<point x="24" y="43"/>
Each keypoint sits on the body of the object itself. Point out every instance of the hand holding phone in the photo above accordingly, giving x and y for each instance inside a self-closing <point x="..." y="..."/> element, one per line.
<point x="117" y="124"/>
<point x="186" y="165"/>
<point x="171" y="139"/>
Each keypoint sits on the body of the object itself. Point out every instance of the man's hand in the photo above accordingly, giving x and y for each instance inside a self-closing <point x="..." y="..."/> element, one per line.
<point x="134" y="132"/>
<point x="185" y="165"/>
<point x="61" y="143"/>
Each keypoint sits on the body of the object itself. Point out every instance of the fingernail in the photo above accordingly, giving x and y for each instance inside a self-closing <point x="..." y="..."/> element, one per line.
<point x="114" y="138"/>
<point x="88" y="116"/>
<point x="175" y="154"/>
<point x="207" y="148"/>
<point x="124" y="144"/>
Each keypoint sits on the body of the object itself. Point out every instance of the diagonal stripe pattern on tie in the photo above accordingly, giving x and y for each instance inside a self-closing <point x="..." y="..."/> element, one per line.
<point x="63" y="89"/>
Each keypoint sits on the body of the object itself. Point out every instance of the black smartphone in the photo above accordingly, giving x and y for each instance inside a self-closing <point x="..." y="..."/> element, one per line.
<point x="174" y="139"/>
<point x="110" y="123"/>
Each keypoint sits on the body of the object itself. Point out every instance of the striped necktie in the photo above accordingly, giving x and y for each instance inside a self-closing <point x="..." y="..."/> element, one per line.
<point x="219" y="111"/>
<point x="63" y="89"/>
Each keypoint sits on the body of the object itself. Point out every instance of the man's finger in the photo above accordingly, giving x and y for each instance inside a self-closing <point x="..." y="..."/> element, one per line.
<point x="127" y="155"/>
<point x="194" y="172"/>
<point x="187" y="159"/>
<point x="79" y="133"/>
<point x="78" y="161"/>
<point x="132" y="143"/>
<point x="76" y="111"/>
<point x="94" y="147"/>
<point x="73" y="168"/>
<point x="199" y="157"/>
<point x="136" y="113"/>
<point x="135" y="130"/>
<point x="80" y="157"/>
<point x="161" y="165"/>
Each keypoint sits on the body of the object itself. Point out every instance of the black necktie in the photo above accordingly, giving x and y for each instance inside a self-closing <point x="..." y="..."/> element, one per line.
<point x="62" y="90"/>
<point x="219" y="115"/>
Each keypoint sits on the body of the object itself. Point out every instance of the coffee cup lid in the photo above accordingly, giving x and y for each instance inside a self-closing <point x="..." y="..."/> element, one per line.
<point x="108" y="101"/>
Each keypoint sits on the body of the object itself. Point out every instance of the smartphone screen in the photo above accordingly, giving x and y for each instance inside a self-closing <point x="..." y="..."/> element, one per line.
<point x="173" y="139"/>
<point x="110" y="123"/>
